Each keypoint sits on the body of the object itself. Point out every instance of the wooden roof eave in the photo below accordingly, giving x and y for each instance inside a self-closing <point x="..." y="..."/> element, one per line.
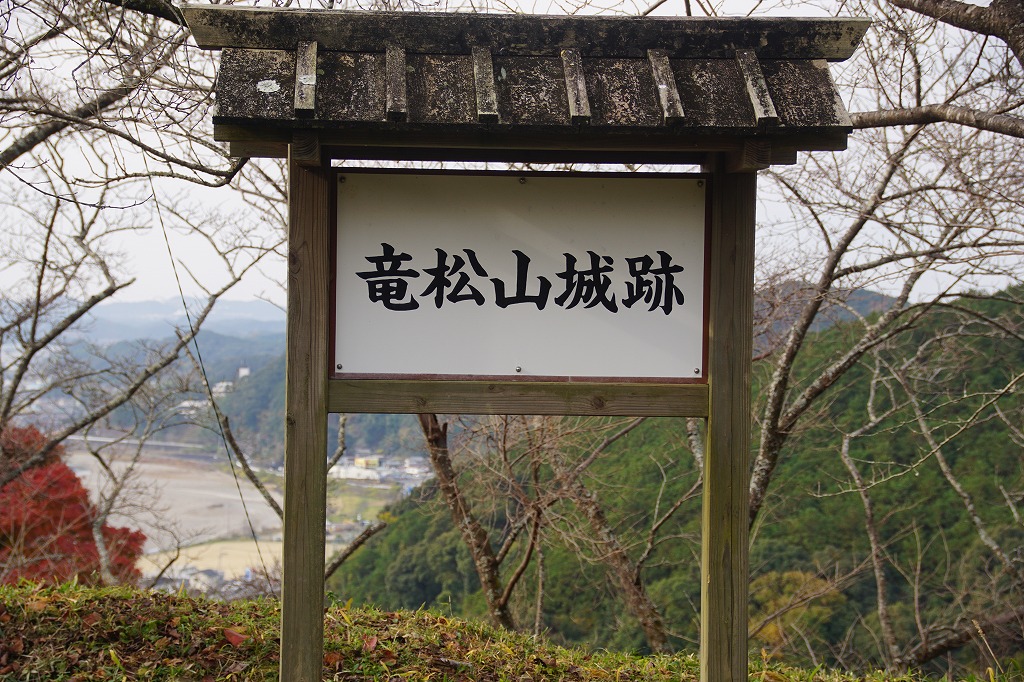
<point x="513" y="87"/>
<point x="470" y="143"/>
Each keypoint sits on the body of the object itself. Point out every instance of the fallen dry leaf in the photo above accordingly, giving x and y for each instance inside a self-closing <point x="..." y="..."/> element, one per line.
<point x="235" y="637"/>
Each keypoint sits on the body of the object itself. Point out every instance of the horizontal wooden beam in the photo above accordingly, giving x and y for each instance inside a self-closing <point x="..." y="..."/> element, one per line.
<point x="219" y="26"/>
<point x="559" y="143"/>
<point x="278" y="149"/>
<point x="258" y="150"/>
<point x="517" y="397"/>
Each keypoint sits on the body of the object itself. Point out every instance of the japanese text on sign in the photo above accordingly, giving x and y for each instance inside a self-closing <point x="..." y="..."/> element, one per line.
<point x="649" y="282"/>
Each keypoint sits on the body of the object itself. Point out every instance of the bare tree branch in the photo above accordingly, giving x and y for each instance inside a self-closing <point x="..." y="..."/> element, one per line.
<point x="958" y="635"/>
<point x="939" y="113"/>
<point x="342" y="556"/>
<point x="105" y="100"/>
<point x="243" y="461"/>
<point x="155" y="8"/>
<point x="1002" y="18"/>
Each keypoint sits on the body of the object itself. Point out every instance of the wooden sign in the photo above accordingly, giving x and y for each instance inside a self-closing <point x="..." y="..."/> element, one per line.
<point x="551" y="295"/>
<point x="505" y="277"/>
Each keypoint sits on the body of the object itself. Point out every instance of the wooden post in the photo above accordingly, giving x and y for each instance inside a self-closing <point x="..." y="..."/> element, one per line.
<point x="724" y="527"/>
<point x="305" y="458"/>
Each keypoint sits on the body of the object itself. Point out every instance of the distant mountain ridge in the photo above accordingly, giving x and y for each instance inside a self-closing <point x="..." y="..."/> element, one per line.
<point x="129" y="321"/>
<point x="778" y="305"/>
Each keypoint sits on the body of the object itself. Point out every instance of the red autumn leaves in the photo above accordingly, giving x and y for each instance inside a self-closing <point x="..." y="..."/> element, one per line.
<point x="46" y="521"/>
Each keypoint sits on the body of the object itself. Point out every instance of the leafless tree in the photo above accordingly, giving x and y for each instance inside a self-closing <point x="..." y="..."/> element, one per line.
<point x="97" y="102"/>
<point x="122" y="495"/>
<point x="924" y="392"/>
<point x="486" y="559"/>
<point x="221" y="426"/>
<point x="925" y="206"/>
<point x="921" y="211"/>
<point x="102" y="107"/>
<point x="535" y="474"/>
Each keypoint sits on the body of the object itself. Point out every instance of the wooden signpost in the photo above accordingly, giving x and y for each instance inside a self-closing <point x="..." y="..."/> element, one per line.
<point x="732" y="96"/>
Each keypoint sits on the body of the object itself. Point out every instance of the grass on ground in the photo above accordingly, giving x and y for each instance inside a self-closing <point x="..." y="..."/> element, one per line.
<point x="71" y="632"/>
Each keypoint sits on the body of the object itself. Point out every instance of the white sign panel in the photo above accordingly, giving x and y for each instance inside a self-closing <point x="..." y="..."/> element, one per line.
<point x="505" y="276"/>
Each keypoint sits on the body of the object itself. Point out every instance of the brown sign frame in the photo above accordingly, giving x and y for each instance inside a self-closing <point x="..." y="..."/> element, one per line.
<point x="509" y="394"/>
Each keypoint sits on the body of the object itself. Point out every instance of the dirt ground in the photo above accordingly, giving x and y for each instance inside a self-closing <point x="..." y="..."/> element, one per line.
<point x="186" y="502"/>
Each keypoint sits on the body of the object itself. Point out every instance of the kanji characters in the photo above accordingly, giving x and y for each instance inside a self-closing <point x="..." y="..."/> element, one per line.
<point x="589" y="286"/>
<point x="654" y="286"/>
<point x="443" y="287"/>
<point x="461" y="277"/>
<point x="539" y="299"/>
<point x="388" y="281"/>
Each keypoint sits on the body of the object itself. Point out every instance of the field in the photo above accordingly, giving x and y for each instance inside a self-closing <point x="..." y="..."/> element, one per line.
<point x="198" y="504"/>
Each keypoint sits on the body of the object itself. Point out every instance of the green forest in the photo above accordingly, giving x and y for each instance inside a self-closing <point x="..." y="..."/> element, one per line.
<point x="813" y="591"/>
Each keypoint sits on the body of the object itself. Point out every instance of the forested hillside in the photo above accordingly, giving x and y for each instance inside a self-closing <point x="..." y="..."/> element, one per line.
<point x="254" y="403"/>
<point x="942" y="484"/>
<point x="256" y="410"/>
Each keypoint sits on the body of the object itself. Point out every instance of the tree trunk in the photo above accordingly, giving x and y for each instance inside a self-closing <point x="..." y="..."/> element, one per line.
<point x="623" y="570"/>
<point x="473" y="533"/>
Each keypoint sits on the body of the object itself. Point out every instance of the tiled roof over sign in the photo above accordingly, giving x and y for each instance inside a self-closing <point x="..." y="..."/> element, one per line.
<point x="373" y="81"/>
